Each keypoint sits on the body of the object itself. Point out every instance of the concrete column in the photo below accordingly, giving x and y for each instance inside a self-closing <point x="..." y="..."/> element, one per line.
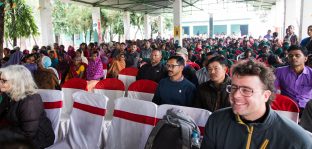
<point x="292" y="14"/>
<point x="210" y="25"/>
<point x="127" y="25"/>
<point x="177" y="14"/>
<point x="46" y="27"/>
<point x="305" y="18"/>
<point x="147" y="27"/>
<point x="161" y="26"/>
<point x="228" y="30"/>
<point x="96" y="19"/>
<point x="191" y="30"/>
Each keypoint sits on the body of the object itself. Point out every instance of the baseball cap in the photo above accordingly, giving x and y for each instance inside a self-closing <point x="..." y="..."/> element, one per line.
<point x="182" y="51"/>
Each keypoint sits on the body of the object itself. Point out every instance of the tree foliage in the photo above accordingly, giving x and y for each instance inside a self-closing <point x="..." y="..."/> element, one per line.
<point x="112" y="22"/>
<point x="137" y="20"/>
<point x="71" y="19"/>
<point x="168" y="23"/>
<point x="19" y="21"/>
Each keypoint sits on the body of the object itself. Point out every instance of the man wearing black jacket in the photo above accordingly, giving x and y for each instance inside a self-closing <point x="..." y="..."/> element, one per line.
<point x="250" y="122"/>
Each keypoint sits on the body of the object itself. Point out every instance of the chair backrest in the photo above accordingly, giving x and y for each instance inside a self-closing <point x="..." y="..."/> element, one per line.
<point x="76" y="83"/>
<point x="52" y="102"/>
<point x="200" y="116"/>
<point x="86" y="120"/>
<point x="132" y="123"/>
<point x="69" y="87"/>
<point x="128" y="75"/>
<point x="142" y="89"/>
<point x="113" y="89"/>
<point x="285" y="106"/>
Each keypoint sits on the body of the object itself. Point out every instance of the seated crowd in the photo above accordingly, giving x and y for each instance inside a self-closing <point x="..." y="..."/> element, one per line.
<point x="204" y="73"/>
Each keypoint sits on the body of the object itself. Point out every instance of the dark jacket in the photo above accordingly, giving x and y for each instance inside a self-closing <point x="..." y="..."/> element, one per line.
<point x="226" y="130"/>
<point x="27" y="117"/>
<point x="209" y="97"/>
<point x="174" y="92"/>
<point x="154" y="73"/>
<point x="132" y="59"/>
<point x="190" y="74"/>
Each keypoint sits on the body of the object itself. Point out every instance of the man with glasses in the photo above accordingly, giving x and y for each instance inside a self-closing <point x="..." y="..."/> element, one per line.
<point x="212" y="94"/>
<point x="250" y="122"/>
<point x="175" y="89"/>
<point x="295" y="80"/>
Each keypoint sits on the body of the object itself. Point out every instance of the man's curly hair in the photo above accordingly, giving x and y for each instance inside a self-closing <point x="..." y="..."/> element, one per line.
<point x="254" y="68"/>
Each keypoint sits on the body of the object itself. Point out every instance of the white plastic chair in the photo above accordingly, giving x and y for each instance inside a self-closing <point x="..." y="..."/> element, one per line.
<point x="131" y="125"/>
<point x="142" y="89"/>
<point x="86" y="122"/>
<point x="200" y="116"/>
<point x="52" y="102"/>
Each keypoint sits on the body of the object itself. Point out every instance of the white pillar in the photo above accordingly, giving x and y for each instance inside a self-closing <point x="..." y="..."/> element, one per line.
<point x="305" y="18"/>
<point x="228" y="30"/>
<point x="161" y="26"/>
<point x="96" y="19"/>
<point x="191" y="30"/>
<point x="46" y="22"/>
<point x="177" y="14"/>
<point x="292" y="14"/>
<point x="127" y="25"/>
<point x="210" y="25"/>
<point x="147" y="27"/>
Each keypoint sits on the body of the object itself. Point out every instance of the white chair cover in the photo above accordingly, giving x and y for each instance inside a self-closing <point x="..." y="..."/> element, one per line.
<point x="86" y="122"/>
<point x="113" y="89"/>
<point x="200" y="116"/>
<point x="52" y="101"/>
<point x="131" y="125"/>
<point x="142" y="89"/>
<point x="128" y="75"/>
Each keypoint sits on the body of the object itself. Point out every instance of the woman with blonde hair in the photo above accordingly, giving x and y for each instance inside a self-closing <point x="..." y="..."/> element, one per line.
<point x="21" y="108"/>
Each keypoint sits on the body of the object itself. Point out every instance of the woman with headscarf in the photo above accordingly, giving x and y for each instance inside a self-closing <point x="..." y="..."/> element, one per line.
<point x="95" y="67"/>
<point x="117" y="65"/>
<point x="76" y="70"/>
<point x="15" y="57"/>
<point x="46" y="77"/>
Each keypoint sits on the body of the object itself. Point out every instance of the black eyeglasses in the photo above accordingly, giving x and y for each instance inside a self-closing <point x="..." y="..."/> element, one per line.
<point x="245" y="91"/>
<point x="3" y="80"/>
<point x="171" y="66"/>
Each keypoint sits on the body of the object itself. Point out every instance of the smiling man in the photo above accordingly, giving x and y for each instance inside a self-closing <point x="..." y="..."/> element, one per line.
<point x="250" y="122"/>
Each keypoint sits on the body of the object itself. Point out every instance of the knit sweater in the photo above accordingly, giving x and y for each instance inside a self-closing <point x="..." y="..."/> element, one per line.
<point x="175" y="93"/>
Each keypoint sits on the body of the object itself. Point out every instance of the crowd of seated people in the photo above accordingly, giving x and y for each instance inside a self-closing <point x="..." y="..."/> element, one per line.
<point x="194" y="75"/>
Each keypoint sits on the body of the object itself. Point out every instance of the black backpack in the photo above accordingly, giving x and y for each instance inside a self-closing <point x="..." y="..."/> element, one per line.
<point x="176" y="130"/>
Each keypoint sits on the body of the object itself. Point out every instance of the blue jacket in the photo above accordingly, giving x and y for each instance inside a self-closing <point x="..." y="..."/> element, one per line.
<point x="175" y="93"/>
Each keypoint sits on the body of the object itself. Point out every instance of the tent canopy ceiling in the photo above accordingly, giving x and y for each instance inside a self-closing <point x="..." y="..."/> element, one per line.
<point x="166" y="6"/>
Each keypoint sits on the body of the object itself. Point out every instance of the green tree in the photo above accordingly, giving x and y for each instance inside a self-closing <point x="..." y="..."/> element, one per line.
<point x="59" y="19"/>
<point x="137" y="20"/>
<point x="168" y="23"/>
<point x="2" y="5"/>
<point x="19" y="21"/>
<point x="71" y="19"/>
<point x="112" y="23"/>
